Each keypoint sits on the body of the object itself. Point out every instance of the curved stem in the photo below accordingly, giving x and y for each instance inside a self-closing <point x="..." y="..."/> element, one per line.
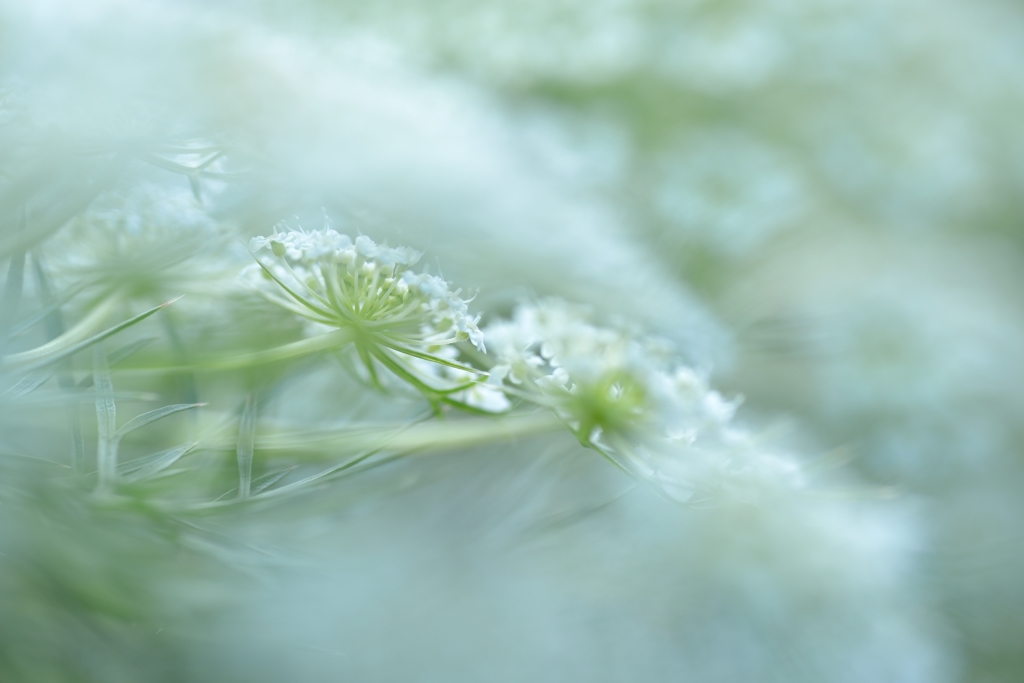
<point x="303" y="347"/>
<point x="87" y="326"/>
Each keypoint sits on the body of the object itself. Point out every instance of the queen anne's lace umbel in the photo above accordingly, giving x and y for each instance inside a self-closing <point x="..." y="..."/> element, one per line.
<point x="628" y="397"/>
<point x="150" y="242"/>
<point x="328" y="278"/>
<point x="602" y="377"/>
<point x="395" y="318"/>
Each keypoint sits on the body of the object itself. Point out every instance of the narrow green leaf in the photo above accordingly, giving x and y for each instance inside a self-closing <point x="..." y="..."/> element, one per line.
<point x="246" y="441"/>
<point x="140" y="421"/>
<point x="28" y="360"/>
<point x="320" y="475"/>
<point x="150" y="465"/>
<point x="270" y="478"/>
<point x="83" y="329"/>
<point x="27" y="384"/>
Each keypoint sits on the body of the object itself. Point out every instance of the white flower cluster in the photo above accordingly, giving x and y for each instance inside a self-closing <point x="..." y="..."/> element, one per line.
<point x="622" y="380"/>
<point x="150" y="242"/>
<point x="330" y="279"/>
<point x="629" y="398"/>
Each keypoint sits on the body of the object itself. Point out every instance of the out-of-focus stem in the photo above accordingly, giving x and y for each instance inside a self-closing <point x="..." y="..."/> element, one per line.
<point x="304" y="347"/>
<point x="424" y="436"/>
<point x="246" y="437"/>
<point x="106" y="421"/>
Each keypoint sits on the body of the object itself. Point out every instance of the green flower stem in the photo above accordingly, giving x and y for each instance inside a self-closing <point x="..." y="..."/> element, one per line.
<point x="382" y="443"/>
<point x="422" y="436"/>
<point x="106" y="421"/>
<point x="465" y="433"/>
<point x="304" y="347"/>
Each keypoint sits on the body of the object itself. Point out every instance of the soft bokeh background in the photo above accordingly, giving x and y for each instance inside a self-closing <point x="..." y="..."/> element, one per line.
<point x="819" y="201"/>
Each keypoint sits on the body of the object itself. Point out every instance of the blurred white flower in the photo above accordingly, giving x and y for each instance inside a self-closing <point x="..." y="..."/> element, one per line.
<point x="629" y="398"/>
<point x="150" y="242"/>
<point x="601" y="377"/>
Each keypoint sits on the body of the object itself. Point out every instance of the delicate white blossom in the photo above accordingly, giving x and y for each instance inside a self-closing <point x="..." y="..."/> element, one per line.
<point x="602" y="377"/>
<point x="395" y="315"/>
<point x="628" y="397"/>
